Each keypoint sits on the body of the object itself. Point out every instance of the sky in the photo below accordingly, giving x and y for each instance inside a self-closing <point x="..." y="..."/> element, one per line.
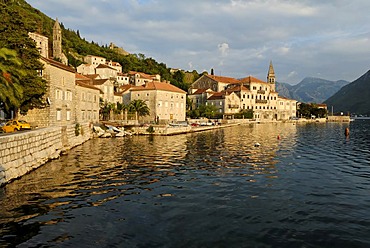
<point x="237" y="38"/>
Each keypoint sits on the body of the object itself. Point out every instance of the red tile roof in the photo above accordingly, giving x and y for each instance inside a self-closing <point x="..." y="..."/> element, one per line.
<point x="227" y="80"/>
<point x="251" y="79"/>
<point x="99" y="81"/>
<point x="237" y="87"/>
<point x="102" y="66"/>
<point x="92" y="76"/>
<point x="201" y="91"/>
<point x="218" y="95"/>
<point x="158" y="86"/>
<point x="85" y="85"/>
<point x="59" y="65"/>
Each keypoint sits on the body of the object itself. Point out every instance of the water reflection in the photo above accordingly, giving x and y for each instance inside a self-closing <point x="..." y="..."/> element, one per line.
<point x="202" y="189"/>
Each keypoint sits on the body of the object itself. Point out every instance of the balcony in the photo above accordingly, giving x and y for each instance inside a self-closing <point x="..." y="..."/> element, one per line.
<point x="261" y="92"/>
<point x="261" y="101"/>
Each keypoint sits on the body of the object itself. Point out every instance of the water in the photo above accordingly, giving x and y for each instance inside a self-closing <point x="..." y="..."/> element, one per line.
<point x="310" y="188"/>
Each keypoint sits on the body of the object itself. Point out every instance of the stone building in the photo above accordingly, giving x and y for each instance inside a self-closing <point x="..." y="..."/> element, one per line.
<point x="57" y="44"/>
<point x="42" y="43"/>
<point x="199" y="97"/>
<point x="253" y="94"/>
<point x="60" y="97"/>
<point x="140" y="78"/>
<point x="67" y="102"/>
<point x="225" y="102"/>
<point x="94" y="60"/>
<point x="214" y="83"/>
<point x="165" y="101"/>
<point x="88" y="98"/>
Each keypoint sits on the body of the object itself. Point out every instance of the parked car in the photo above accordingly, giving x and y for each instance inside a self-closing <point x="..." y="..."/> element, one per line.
<point x="16" y="125"/>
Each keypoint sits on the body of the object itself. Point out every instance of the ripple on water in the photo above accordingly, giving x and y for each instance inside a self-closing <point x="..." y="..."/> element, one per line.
<point x="307" y="189"/>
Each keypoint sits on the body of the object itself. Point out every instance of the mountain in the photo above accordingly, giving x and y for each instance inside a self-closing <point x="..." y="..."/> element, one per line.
<point x="310" y="89"/>
<point x="353" y="98"/>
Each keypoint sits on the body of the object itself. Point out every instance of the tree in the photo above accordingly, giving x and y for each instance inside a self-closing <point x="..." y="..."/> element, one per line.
<point x="14" y="28"/>
<point x="139" y="107"/>
<point x="208" y="111"/>
<point x="308" y="110"/>
<point x="11" y="92"/>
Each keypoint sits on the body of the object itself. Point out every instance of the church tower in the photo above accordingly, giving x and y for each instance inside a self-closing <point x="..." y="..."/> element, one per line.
<point x="57" y="40"/>
<point x="57" y="43"/>
<point x="271" y="76"/>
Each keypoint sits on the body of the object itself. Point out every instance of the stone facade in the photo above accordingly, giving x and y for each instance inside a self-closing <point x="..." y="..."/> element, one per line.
<point x="57" y="44"/>
<point x="87" y="109"/>
<point x="60" y="97"/>
<point x="94" y="60"/>
<point x="42" y="43"/>
<point x="165" y="101"/>
<point x="254" y="94"/>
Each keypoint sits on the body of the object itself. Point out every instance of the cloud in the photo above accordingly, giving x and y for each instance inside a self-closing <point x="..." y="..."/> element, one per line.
<point x="308" y="36"/>
<point x="223" y="49"/>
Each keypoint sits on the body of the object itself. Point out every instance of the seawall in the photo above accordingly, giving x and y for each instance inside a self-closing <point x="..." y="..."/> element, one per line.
<point x="23" y="152"/>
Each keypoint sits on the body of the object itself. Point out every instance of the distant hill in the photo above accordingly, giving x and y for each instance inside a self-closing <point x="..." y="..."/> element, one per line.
<point x="353" y="98"/>
<point x="310" y="89"/>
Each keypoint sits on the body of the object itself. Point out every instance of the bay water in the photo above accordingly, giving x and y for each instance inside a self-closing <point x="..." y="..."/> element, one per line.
<point x="302" y="185"/>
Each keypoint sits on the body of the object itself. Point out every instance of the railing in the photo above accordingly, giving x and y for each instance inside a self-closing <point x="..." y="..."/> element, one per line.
<point x="261" y="92"/>
<point x="261" y="101"/>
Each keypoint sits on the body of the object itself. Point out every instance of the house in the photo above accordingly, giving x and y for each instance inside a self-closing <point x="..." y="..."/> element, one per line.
<point x="122" y="79"/>
<point x="287" y="108"/>
<point x="140" y="78"/>
<point x="87" y="109"/>
<point x="107" y="88"/>
<point x="69" y="99"/>
<point x="60" y="98"/>
<point x="165" y="101"/>
<point x="226" y="102"/>
<point x="199" y="97"/>
<point x="106" y="72"/>
<point x="86" y="69"/>
<point x="94" y="60"/>
<point x="42" y="43"/>
<point x="215" y="83"/>
<point x="253" y="94"/>
<point x="115" y="65"/>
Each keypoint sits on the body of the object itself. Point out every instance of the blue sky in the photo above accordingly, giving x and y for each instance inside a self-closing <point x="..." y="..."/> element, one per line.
<point x="238" y="38"/>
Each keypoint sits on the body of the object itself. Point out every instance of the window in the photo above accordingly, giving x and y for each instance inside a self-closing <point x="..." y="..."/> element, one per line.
<point x="68" y="115"/>
<point x="59" y="114"/>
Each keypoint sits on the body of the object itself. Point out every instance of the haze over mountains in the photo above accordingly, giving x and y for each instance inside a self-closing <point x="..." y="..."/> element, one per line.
<point x="310" y="89"/>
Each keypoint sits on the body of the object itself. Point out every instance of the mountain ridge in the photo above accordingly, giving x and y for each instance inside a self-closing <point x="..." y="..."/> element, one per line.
<point x="310" y="89"/>
<point x="353" y="98"/>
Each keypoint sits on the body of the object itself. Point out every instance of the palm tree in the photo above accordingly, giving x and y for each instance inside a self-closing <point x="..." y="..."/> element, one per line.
<point x="139" y="107"/>
<point x="11" y="92"/>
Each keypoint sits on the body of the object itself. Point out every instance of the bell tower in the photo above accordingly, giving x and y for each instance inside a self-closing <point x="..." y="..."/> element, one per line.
<point x="57" y="43"/>
<point x="57" y="40"/>
<point x="271" y="76"/>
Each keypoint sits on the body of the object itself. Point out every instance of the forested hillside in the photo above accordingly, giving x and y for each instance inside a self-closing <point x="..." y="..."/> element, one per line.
<point x="353" y="98"/>
<point x="22" y="88"/>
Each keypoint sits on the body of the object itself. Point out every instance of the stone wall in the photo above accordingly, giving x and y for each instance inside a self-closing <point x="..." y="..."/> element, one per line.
<point x="23" y="152"/>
